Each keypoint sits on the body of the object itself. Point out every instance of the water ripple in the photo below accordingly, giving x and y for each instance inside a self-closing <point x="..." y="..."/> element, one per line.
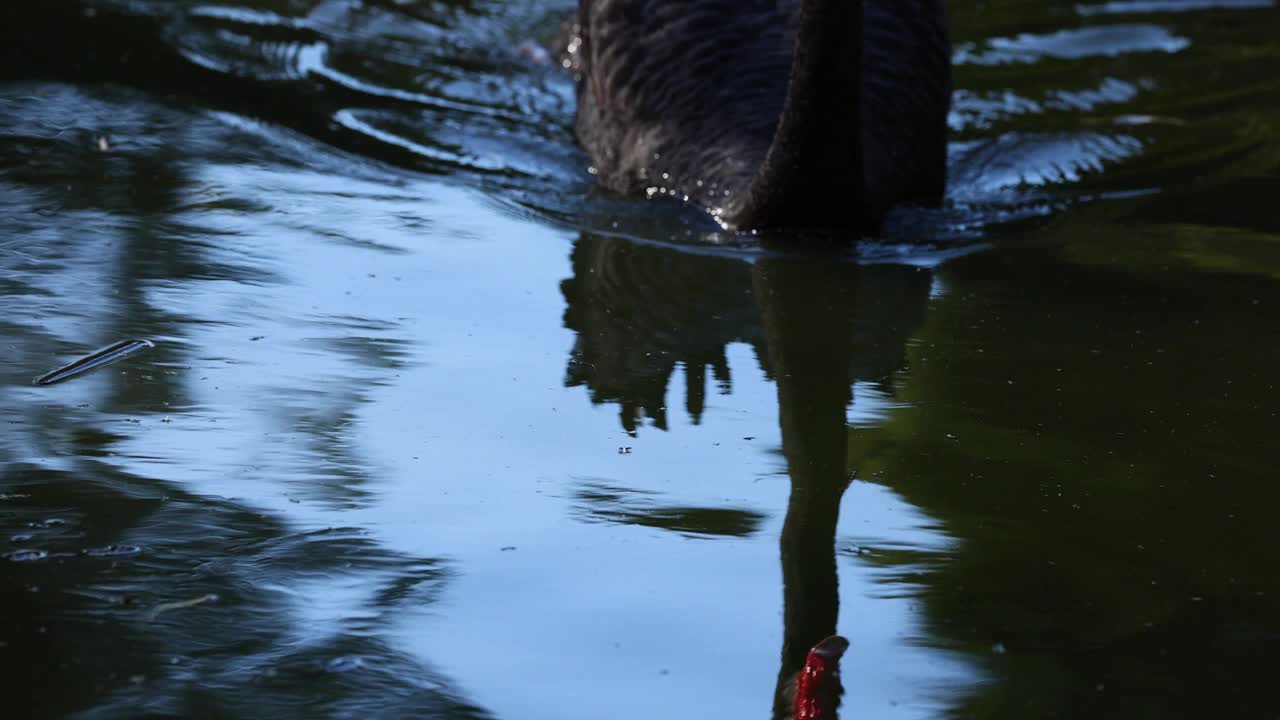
<point x="1099" y="41"/>
<point x="1135" y="7"/>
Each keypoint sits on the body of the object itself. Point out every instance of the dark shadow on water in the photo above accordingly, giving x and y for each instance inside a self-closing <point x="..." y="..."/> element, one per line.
<point x="600" y="502"/>
<point x="818" y="322"/>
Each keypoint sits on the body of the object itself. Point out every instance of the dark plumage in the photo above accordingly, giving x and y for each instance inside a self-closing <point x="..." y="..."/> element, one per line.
<point x="762" y="111"/>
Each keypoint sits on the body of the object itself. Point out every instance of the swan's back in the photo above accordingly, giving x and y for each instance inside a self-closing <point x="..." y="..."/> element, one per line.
<point x="683" y="96"/>
<point x="906" y="97"/>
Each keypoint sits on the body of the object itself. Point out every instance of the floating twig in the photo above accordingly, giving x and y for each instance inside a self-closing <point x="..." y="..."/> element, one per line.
<point x="99" y="359"/>
<point x="179" y="604"/>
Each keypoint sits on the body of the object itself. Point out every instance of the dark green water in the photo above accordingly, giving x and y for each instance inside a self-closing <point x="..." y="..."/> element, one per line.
<point x="433" y="429"/>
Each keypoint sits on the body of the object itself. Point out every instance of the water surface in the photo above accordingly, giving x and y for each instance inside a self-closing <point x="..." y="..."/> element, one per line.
<point x="434" y="429"/>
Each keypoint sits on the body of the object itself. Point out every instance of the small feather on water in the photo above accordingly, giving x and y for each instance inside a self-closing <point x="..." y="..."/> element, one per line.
<point x="98" y="359"/>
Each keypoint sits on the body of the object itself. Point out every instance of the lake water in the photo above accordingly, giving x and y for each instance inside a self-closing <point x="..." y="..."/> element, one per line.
<point x="432" y="428"/>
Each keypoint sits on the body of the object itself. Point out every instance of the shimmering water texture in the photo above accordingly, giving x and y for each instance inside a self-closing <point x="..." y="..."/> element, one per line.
<point x="433" y="428"/>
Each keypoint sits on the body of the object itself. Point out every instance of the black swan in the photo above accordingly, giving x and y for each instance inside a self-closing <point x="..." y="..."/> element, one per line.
<point x="768" y="113"/>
